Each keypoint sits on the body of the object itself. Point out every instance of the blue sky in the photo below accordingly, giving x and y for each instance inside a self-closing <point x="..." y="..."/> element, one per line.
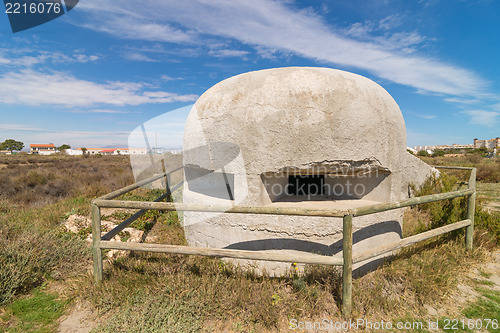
<point x="90" y="77"/>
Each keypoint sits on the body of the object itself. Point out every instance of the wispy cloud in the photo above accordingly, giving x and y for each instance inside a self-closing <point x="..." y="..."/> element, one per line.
<point x="100" y="111"/>
<point x="482" y="117"/>
<point x="37" y="88"/>
<point x="139" y="57"/>
<point x="73" y="138"/>
<point x="34" y="57"/>
<point x="467" y="101"/>
<point x="165" y="77"/>
<point x="19" y="127"/>
<point x="226" y="53"/>
<point x="276" y="25"/>
<point x="426" y="116"/>
<point x="420" y="115"/>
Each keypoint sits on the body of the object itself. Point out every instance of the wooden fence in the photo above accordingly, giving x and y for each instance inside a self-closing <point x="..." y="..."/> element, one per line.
<point x="346" y="260"/>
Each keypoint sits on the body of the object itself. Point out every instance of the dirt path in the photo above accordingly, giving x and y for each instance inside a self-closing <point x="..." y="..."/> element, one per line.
<point x="80" y="319"/>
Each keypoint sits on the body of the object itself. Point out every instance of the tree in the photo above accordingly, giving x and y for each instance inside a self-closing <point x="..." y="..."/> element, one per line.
<point x="422" y="153"/>
<point x="11" y="144"/>
<point x="63" y="147"/>
<point x="84" y="150"/>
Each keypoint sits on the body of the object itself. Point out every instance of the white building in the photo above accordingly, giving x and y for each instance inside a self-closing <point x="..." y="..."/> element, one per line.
<point x="115" y="151"/>
<point x="73" y="152"/>
<point x="42" y="149"/>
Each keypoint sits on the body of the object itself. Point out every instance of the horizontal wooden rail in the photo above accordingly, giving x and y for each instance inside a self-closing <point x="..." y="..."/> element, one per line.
<point x="134" y="186"/>
<point x="116" y="230"/>
<point x="226" y="253"/>
<point x="409" y="241"/>
<point x="410" y="202"/>
<point x="452" y="167"/>
<point x="221" y="209"/>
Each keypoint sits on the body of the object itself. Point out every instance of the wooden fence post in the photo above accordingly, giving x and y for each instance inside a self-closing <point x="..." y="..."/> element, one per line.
<point x="347" y="267"/>
<point x="471" y="207"/>
<point x="96" y="241"/>
<point x="167" y="183"/>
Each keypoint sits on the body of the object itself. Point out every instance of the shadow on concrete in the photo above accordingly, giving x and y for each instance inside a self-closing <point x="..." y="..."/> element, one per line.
<point x="322" y="249"/>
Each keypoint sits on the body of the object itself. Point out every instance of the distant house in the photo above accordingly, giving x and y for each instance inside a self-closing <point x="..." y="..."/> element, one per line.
<point x="108" y="151"/>
<point x="115" y="151"/>
<point x="132" y="151"/>
<point x="490" y="144"/>
<point x="92" y="151"/>
<point x="42" y="149"/>
<point x="73" y="152"/>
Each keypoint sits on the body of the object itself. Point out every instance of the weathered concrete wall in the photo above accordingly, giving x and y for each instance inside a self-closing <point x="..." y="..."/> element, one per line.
<point x="294" y="120"/>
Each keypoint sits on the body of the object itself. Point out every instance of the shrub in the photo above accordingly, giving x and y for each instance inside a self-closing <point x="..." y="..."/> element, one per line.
<point x="488" y="172"/>
<point x="438" y="152"/>
<point x="453" y="210"/>
<point x="27" y="259"/>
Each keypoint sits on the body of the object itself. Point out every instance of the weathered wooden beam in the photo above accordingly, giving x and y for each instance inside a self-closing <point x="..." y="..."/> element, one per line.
<point x="347" y="266"/>
<point x="129" y="188"/>
<point x="410" y="202"/>
<point x="315" y="259"/>
<point x="409" y="241"/>
<point x="471" y="209"/>
<point x="116" y="230"/>
<point x="452" y="167"/>
<point x="269" y="210"/>
<point x="96" y="239"/>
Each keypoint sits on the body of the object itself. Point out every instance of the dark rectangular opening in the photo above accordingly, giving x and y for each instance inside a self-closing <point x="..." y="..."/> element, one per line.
<point x="306" y="185"/>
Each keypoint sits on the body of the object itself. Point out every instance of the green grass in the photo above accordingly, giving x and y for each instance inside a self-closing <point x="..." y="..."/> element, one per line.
<point x="36" y="313"/>
<point x="487" y="306"/>
<point x="490" y="191"/>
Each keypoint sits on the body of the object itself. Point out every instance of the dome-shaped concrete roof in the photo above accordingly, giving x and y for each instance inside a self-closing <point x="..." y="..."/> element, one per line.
<point x="298" y="115"/>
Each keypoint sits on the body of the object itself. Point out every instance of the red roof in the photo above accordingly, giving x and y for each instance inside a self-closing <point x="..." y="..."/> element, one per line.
<point x="42" y="146"/>
<point x="108" y="150"/>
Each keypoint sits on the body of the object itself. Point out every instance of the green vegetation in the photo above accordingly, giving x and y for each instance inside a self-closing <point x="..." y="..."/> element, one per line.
<point x="151" y="292"/>
<point x="36" y="313"/>
<point x="487" y="306"/>
<point x="63" y="147"/>
<point x="11" y="145"/>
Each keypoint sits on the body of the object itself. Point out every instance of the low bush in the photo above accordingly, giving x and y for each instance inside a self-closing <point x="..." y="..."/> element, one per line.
<point x="453" y="210"/>
<point x="42" y="180"/>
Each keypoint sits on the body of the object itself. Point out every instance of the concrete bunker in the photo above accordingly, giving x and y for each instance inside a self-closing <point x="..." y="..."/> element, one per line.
<point x="303" y="137"/>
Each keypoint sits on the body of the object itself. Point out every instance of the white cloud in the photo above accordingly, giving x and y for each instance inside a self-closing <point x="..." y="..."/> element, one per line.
<point x="74" y="138"/>
<point x="18" y="127"/>
<point x="165" y="77"/>
<point x="34" y="57"/>
<point x="482" y="117"/>
<point x="390" y="22"/>
<point x="139" y="57"/>
<point x="83" y="58"/>
<point x="276" y="25"/>
<point x="426" y="116"/>
<point x="467" y="101"/>
<point x="36" y="88"/>
<point x="226" y="53"/>
<point x="100" y="111"/>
